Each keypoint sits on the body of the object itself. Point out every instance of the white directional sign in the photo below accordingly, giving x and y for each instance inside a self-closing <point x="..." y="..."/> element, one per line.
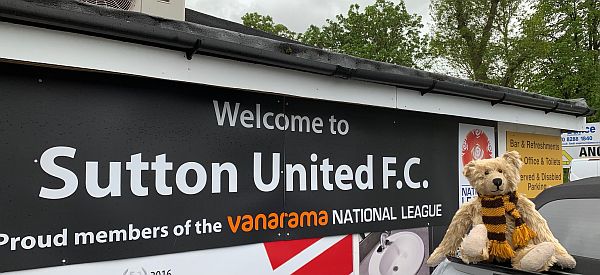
<point x="582" y="144"/>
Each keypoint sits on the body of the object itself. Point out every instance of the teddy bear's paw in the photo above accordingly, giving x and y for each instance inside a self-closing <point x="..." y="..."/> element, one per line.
<point x="470" y="254"/>
<point x="474" y="247"/>
<point x="539" y="258"/>
<point x="565" y="260"/>
<point x="474" y="259"/>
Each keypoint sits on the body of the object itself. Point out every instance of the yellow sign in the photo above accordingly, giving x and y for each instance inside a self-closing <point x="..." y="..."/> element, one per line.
<point x="542" y="161"/>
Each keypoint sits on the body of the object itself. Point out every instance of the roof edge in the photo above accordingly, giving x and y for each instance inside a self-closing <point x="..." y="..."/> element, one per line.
<point x="193" y="38"/>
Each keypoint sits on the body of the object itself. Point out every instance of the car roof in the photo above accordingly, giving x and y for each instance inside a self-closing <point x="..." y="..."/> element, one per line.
<point x="586" y="188"/>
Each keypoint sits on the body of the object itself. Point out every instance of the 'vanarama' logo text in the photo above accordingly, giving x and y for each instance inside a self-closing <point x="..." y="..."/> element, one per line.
<point x="274" y="221"/>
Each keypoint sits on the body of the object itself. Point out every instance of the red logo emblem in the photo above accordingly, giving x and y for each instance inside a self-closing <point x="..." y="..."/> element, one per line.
<point x="476" y="145"/>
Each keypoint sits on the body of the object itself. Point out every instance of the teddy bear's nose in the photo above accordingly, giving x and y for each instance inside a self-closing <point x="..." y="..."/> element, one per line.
<point x="497" y="181"/>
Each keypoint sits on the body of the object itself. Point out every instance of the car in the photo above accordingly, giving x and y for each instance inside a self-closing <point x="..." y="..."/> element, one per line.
<point x="584" y="168"/>
<point x="571" y="210"/>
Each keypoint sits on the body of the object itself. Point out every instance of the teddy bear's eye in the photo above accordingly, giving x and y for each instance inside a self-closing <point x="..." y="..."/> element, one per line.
<point x="487" y="172"/>
<point x="499" y="170"/>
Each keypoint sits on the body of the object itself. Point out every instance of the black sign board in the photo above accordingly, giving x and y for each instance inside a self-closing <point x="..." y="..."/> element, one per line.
<point x="98" y="167"/>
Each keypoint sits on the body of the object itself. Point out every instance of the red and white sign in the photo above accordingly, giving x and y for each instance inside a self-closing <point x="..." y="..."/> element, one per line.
<point x="474" y="142"/>
<point x="311" y="256"/>
<point x="475" y="146"/>
<point x="329" y="255"/>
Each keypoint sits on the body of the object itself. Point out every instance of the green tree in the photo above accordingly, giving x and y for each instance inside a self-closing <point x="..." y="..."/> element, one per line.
<point x="265" y="23"/>
<point x="482" y="39"/>
<point x="543" y="46"/>
<point x="383" y="31"/>
<point x="568" y="35"/>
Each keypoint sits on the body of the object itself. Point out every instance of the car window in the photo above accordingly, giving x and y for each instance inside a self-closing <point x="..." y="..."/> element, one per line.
<point x="575" y="223"/>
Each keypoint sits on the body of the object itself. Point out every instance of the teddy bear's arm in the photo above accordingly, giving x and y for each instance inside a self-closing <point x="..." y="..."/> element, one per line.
<point x="458" y="228"/>
<point x="538" y="224"/>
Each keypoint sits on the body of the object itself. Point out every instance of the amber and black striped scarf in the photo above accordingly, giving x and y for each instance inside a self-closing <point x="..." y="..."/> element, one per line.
<point x="493" y="210"/>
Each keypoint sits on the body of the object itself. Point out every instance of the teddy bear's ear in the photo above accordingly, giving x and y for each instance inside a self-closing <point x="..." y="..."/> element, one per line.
<point x="469" y="169"/>
<point x="514" y="158"/>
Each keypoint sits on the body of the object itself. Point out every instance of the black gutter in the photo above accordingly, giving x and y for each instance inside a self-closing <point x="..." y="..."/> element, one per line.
<point x="29" y="13"/>
<point x="45" y="15"/>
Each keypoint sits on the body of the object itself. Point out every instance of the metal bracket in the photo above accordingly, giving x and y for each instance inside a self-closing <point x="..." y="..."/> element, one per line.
<point x="494" y="102"/>
<point x="553" y="109"/>
<point x="429" y="89"/>
<point x="189" y="54"/>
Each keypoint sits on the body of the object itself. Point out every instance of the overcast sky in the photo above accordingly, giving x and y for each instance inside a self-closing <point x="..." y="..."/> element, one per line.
<point x="295" y="14"/>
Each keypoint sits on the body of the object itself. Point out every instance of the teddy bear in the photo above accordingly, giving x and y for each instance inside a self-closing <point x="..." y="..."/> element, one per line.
<point x="502" y="225"/>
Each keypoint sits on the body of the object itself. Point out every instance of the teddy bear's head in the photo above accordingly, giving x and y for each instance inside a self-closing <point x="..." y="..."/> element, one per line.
<point x="497" y="176"/>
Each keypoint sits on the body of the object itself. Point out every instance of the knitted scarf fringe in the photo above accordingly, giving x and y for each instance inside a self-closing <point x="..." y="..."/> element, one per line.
<point x="522" y="234"/>
<point x="501" y="249"/>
